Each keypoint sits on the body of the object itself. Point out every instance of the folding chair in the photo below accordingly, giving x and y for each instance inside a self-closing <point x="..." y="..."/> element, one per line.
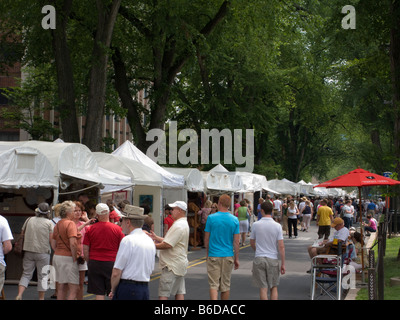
<point x="324" y="281"/>
<point x="328" y="275"/>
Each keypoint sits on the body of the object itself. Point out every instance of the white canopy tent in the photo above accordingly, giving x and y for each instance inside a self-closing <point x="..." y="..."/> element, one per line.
<point x="284" y="186"/>
<point x="305" y="188"/>
<point x="25" y="167"/>
<point x="173" y="185"/>
<point x="130" y="151"/>
<point x="138" y="173"/>
<point x="70" y="162"/>
<point x="193" y="178"/>
<point x="220" y="180"/>
<point x="253" y="182"/>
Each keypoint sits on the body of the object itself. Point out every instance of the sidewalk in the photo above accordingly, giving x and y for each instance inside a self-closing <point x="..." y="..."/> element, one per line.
<point x="352" y="294"/>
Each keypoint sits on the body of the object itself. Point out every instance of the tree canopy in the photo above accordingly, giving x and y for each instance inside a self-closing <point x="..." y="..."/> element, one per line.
<point x="318" y="96"/>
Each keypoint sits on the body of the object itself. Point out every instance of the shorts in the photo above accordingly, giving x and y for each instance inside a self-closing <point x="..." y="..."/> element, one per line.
<point x="324" y="231"/>
<point x="219" y="270"/>
<point x="99" y="277"/>
<point x="244" y="226"/>
<point x="170" y="283"/>
<point x="2" y="275"/>
<point x="266" y="273"/>
<point x="67" y="270"/>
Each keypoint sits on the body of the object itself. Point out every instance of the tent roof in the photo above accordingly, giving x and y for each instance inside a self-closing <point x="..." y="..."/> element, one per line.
<point x="130" y="151"/>
<point x="139" y="173"/>
<point x="193" y="178"/>
<point x="25" y="167"/>
<point x="283" y="186"/>
<point x="220" y="179"/>
<point x="67" y="160"/>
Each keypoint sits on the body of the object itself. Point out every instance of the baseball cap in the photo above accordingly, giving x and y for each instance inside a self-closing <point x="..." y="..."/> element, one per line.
<point x="180" y="204"/>
<point x="337" y="221"/>
<point x="102" y="208"/>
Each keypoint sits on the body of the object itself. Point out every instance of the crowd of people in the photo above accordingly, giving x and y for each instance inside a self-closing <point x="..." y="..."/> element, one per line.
<point x="114" y="247"/>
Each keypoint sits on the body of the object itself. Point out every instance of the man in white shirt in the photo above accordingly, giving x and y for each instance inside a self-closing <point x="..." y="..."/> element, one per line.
<point x="277" y="209"/>
<point x="267" y="241"/>
<point x="173" y="254"/>
<point x="135" y="259"/>
<point x="6" y="247"/>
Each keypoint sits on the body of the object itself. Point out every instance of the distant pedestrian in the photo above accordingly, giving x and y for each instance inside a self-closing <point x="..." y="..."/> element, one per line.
<point x="348" y="214"/>
<point x="277" y="209"/>
<point x="100" y="248"/>
<point x="324" y="219"/>
<point x="135" y="259"/>
<point x="242" y="213"/>
<point x="5" y="247"/>
<point x="204" y="213"/>
<point x="173" y="254"/>
<point x="307" y="213"/>
<point x="267" y="241"/>
<point x="37" y="232"/>
<point x="292" y="213"/>
<point x="260" y="200"/>
<point x="168" y="221"/>
<point x="222" y="244"/>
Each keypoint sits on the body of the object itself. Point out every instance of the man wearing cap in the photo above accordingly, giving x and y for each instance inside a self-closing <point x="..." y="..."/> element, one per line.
<point x="135" y="258"/>
<point x="173" y="254"/>
<point x="100" y="247"/>
<point x="340" y="235"/>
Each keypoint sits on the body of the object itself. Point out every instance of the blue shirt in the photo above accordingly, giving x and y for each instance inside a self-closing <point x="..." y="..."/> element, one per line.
<point x="222" y="226"/>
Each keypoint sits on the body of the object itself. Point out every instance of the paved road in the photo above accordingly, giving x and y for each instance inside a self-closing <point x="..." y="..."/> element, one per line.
<point x="294" y="285"/>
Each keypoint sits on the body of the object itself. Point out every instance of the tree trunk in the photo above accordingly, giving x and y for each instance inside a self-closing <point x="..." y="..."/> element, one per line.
<point x="131" y="105"/>
<point x="66" y="92"/>
<point x="98" y="74"/>
<point x="395" y="71"/>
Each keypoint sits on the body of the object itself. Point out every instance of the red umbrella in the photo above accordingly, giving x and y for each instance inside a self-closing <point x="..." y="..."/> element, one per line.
<point x="359" y="178"/>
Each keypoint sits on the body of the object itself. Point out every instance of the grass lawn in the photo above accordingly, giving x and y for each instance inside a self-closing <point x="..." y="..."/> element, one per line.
<point x="391" y="269"/>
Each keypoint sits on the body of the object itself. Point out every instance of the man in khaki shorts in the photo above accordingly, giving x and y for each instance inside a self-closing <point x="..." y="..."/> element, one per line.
<point x="221" y="240"/>
<point x="173" y="254"/>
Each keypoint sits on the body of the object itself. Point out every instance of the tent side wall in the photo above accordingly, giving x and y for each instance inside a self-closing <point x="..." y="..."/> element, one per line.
<point x="152" y="196"/>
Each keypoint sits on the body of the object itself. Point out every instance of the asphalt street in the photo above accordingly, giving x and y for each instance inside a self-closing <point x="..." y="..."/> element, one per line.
<point x="294" y="285"/>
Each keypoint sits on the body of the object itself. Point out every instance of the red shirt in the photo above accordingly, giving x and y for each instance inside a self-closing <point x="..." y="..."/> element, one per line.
<point x="169" y="221"/>
<point x="103" y="239"/>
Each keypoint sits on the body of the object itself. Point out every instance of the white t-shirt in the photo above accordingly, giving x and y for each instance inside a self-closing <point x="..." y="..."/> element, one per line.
<point x="266" y="232"/>
<point x="342" y="234"/>
<point x="348" y="211"/>
<point x="278" y="205"/>
<point x="175" y="258"/>
<point x="136" y="256"/>
<point x="5" y="234"/>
